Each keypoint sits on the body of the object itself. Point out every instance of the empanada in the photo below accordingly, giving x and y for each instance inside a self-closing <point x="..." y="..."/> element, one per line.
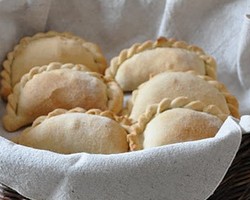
<point x="174" y="84"/>
<point x="76" y="131"/>
<point x="135" y="65"/>
<point x="58" y="85"/>
<point x="44" y="48"/>
<point x="173" y="121"/>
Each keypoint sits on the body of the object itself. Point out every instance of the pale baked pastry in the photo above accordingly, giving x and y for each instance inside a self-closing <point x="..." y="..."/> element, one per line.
<point x="174" y="84"/>
<point x="44" y="48"/>
<point x="76" y="131"/>
<point x="174" y="121"/>
<point x="135" y="65"/>
<point x="58" y="85"/>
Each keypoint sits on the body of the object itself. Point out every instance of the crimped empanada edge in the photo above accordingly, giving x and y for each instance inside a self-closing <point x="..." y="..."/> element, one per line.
<point x="50" y="67"/>
<point x="114" y="94"/>
<point x="11" y="121"/>
<point x="6" y="72"/>
<point x="11" y="114"/>
<point x="231" y="100"/>
<point x="210" y="64"/>
<point x="166" y="104"/>
<point x="122" y="120"/>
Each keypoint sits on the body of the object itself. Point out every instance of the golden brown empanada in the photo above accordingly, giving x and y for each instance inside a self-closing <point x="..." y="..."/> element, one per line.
<point x="174" y="84"/>
<point x="58" y="85"/>
<point x="76" y="131"/>
<point x="44" y="48"/>
<point x="135" y="65"/>
<point x="173" y="121"/>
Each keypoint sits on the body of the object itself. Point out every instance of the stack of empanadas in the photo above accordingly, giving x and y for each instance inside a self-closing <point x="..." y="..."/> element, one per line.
<point x="175" y="94"/>
<point x="61" y="75"/>
<point x="44" y="48"/>
<point x="55" y="81"/>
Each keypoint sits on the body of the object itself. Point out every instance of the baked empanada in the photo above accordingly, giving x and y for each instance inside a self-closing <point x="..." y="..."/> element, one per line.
<point x="174" y="84"/>
<point x="173" y="121"/>
<point x="76" y="131"/>
<point x="58" y="85"/>
<point x="44" y="48"/>
<point x="135" y="65"/>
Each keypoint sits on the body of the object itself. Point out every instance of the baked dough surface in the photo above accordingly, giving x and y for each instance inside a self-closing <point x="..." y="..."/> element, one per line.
<point x="174" y="84"/>
<point x="135" y="65"/>
<point x="75" y="131"/>
<point x="59" y="86"/>
<point x="180" y="125"/>
<point x="173" y="121"/>
<point x="44" y="48"/>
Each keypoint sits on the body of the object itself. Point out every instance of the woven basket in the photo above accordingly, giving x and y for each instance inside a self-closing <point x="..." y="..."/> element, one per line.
<point x="235" y="185"/>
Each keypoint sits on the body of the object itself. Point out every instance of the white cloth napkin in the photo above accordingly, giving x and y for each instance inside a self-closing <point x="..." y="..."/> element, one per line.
<point x="189" y="170"/>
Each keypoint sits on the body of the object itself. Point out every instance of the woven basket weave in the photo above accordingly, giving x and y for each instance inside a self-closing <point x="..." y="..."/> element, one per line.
<point x="235" y="185"/>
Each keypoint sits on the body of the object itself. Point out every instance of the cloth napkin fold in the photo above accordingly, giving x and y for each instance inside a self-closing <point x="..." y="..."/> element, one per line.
<point x="245" y="124"/>
<point x="190" y="170"/>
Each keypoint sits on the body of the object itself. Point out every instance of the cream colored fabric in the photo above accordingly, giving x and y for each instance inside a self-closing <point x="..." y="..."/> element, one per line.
<point x="59" y="86"/>
<point x="44" y="48"/>
<point x="75" y="131"/>
<point x="174" y="84"/>
<point x="135" y="65"/>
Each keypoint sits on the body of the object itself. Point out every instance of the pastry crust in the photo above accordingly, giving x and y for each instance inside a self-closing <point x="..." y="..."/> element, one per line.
<point x="209" y="115"/>
<point x="133" y="66"/>
<point x="93" y="131"/>
<point x="58" y="85"/>
<point x="175" y="84"/>
<point x="44" y="48"/>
